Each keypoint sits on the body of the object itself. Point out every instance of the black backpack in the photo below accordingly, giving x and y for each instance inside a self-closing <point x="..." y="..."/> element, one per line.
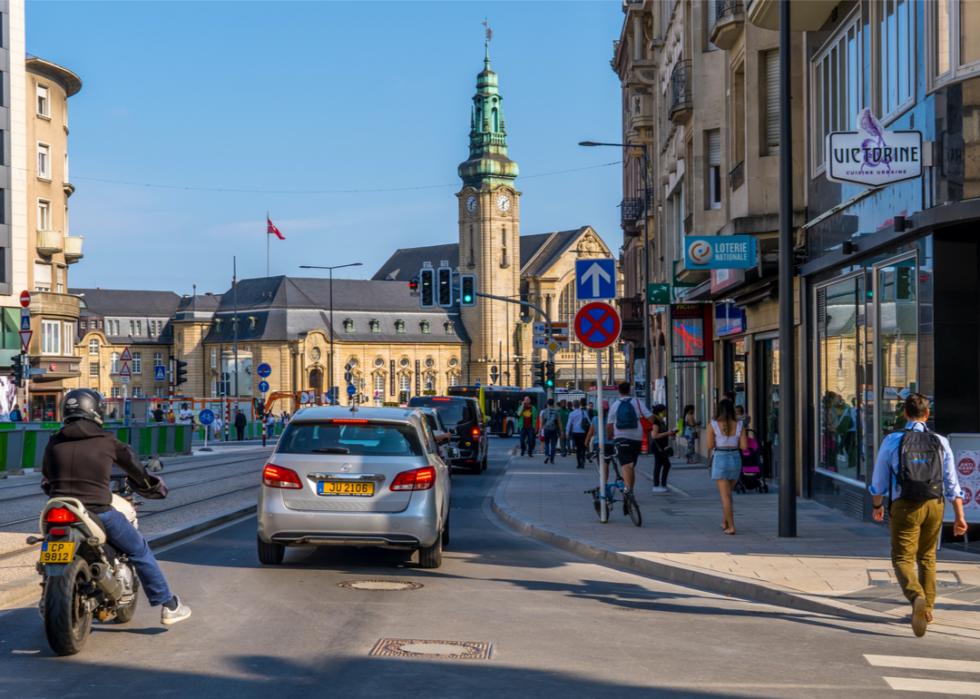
<point x="920" y="466"/>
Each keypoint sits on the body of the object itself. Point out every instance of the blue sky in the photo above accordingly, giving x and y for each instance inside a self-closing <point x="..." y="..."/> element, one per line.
<point x="281" y="98"/>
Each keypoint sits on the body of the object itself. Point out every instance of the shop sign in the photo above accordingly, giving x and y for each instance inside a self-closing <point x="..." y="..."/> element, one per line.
<point x="729" y="319"/>
<point x="658" y="293"/>
<point x="719" y="252"/>
<point x="691" y="332"/>
<point x="872" y="156"/>
<point x="722" y="279"/>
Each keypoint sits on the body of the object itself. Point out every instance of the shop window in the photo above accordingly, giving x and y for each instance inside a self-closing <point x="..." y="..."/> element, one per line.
<point x="898" y="340"/>
<point x="835" y="79"/>
<point x="839" y="349"/>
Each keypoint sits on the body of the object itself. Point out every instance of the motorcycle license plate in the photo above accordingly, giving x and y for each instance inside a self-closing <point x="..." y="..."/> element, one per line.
<point x="349" y="488"/>
<point x="57" y="551"/>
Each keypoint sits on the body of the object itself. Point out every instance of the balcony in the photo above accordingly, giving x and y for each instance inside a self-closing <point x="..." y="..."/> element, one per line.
<point x="68" y="188"/>
<point x="631" y="210"/>
<point x="50" y="242"/>
<point x="736" y="178"/>
<point x="73" y="248"/>
<point x="631" y="311"/>
<point x="806" y="16"/>
<point x="728" y="19"/>
<point x="49" y="303"/>
<point x="681" y="104"/>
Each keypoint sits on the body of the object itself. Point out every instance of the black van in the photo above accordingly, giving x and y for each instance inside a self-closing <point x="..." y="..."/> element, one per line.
<point x="463" y="417"/>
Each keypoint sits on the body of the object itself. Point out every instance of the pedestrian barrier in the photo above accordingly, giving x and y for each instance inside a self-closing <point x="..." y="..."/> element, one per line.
<point x="22" y="444"/>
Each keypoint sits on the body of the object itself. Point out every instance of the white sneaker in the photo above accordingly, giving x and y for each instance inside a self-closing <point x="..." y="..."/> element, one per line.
<point x="660" y="489"/>
<point x="169" y="617"/>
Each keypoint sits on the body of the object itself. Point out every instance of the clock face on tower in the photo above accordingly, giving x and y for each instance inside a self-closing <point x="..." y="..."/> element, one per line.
<point x="471" y="204"/>
<point x="503" y="203"/>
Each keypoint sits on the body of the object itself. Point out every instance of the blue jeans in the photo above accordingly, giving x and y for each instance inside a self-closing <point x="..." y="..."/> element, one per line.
<point x="550" y="442"/>
<point x="528" y="437"/>
<point x="125" y="538"/>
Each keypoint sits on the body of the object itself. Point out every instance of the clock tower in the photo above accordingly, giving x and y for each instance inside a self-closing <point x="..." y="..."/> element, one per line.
<point x="489" y="231"/>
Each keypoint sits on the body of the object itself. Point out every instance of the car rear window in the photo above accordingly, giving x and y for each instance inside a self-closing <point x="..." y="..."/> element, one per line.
<point x="370" y="439"/>
<point x="452" y="411"/>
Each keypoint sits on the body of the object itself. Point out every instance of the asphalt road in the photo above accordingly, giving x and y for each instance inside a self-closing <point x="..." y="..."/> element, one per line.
<point x="555" y="626"/>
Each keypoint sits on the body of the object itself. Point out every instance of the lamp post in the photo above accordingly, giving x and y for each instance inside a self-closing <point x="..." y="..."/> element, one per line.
<point x="331" y="268"/>
<point x="645" y="277"/>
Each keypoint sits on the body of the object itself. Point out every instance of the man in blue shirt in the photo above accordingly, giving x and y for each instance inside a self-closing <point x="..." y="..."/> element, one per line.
<point x="915" y="524"/>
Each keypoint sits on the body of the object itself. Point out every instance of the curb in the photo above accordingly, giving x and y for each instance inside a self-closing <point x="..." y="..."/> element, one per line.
<point x="20" y="591"/>
<point x="709" y="581"/>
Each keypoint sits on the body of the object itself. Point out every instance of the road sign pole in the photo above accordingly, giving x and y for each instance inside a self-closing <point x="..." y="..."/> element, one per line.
<point x="600" y="429"/>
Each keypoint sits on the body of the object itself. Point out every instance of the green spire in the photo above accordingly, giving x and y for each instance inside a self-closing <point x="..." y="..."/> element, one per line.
<point x="488" y="162"/>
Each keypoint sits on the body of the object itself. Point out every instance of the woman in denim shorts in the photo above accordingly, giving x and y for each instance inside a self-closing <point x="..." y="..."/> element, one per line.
<point x="725" y="442"/>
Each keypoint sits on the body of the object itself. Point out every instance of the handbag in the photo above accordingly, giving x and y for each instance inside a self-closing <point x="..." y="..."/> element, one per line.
<point x="645" y="422"/>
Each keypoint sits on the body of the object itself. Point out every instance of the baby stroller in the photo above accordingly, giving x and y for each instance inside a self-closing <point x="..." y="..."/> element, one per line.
<point x="752" y="476"/>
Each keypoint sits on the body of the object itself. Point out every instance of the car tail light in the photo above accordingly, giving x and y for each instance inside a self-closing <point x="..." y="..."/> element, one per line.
<point x="57" y="531"/>
<point x="280" y="477"/>
<point x="416" y="479"/>
<point x="60" y="515"/>
<point x="350" y="421"/>
<point x="476" y="432"/>
<point x="441" y="399"/>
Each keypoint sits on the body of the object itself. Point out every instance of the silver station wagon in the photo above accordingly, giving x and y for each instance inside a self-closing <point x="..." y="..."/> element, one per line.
<point x="373" y="477"/>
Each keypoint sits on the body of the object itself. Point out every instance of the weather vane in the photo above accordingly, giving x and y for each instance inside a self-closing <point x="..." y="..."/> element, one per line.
<point x="489" y="31"/>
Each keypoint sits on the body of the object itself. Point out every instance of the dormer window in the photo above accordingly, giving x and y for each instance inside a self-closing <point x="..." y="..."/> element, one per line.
<point x="448" y="326"/>
<point x="424" y="327"/>
<point x="400" y="327"/>
<point x="375" y="326"/>
<point x="217" y="324"/>
<point x="252" y="322"/>
<point x="348" y="325"/>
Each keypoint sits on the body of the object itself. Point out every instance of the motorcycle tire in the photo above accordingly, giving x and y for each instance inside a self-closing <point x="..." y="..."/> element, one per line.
<point x="125" y="613"/>
<point x="66" y="621"/>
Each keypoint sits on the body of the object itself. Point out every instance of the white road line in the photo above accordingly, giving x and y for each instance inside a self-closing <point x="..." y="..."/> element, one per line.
<point x="914" y="684"/>
<point x="909" y="662"/>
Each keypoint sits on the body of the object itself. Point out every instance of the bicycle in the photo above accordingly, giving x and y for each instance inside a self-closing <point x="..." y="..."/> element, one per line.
<point x="631" y="508"/>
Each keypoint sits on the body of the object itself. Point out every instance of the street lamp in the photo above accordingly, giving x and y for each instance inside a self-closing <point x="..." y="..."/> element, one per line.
<point x="331" y="268"/>
<point x="644" y="279"/>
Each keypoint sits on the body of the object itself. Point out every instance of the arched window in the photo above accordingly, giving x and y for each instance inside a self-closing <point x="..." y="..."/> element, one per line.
<point x="405" y="382"/>
<point x="93" y="347"/>
<point x="453" y="378"/>
<point x="567" y="305"/>
<point x="379" y="385"/>
<point x="495" y="125"/>
<point x="430" y="382"/>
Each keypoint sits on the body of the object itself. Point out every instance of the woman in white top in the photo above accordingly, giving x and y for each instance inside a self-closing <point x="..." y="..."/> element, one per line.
<point x="725" y="442"/>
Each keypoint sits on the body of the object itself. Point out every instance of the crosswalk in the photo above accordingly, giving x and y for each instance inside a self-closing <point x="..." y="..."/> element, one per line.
<point x="928" y="685"/>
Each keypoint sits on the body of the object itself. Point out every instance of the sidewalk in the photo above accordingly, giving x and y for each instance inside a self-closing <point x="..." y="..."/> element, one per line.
<point x="836" y="565"/>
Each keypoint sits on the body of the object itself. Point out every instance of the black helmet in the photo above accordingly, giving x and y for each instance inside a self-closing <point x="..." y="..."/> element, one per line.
<point x="83" y="404"/>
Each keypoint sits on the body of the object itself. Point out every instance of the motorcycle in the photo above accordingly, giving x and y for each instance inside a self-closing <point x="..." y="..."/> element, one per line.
<point x="83" y="577"/>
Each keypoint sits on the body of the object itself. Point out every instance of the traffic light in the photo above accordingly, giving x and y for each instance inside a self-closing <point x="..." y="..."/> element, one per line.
<point x="17" y="369"/>
<point x="540" y="373"/>
<point x="467" y="290"/>
<point x="444" y="280"/>
<point x="549" y="374"/>
<point x="180" y="375"/>
<point x="427" y="283"/>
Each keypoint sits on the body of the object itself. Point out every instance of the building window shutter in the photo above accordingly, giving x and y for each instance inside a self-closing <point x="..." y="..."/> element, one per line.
<point x="714" y="147"/>
<point x="772" y="101"/>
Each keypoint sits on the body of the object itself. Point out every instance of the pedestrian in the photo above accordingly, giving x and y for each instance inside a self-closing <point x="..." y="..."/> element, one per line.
<point x="158" y="414"/>
<point x="551" y="429"/>
<point x="240" y="422"/>
<point x="16" y="415"/>
<point x="725" y="442"/>
<point x="270" y="424"/>
<point x="916" y="469"/>
<point x="577" y="428"/>
<point x="660" y="446"/>
<point x="171" y="418"/>
<point x="527" y="422"/>
<point x="218" y="424"/>
<point x="690" y="427"/>
<point x="625" y="426"/>
<point x="563" y="413"/>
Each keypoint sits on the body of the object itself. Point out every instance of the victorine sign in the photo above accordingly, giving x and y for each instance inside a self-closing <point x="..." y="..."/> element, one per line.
<point x="872" y="156"/>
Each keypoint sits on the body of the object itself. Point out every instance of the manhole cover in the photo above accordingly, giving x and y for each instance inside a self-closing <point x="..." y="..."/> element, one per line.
<point x="418" y="648"/>
<point x="380" y="585"/>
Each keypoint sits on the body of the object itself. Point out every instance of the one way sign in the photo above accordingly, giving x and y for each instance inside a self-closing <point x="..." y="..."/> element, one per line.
<point x="595" y="279"/>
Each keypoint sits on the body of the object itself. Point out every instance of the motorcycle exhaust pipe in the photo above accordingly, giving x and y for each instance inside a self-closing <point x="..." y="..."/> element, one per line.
<point x="107" y="582"/>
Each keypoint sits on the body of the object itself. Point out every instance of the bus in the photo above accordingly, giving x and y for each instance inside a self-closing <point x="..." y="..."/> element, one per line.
<point x="500" y="404"/>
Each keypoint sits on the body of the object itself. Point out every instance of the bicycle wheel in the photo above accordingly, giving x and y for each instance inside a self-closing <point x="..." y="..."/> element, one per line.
<point x="634" y="510"/>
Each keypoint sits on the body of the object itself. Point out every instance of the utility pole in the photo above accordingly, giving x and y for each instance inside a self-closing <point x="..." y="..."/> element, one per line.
<point x="234" y="320"/>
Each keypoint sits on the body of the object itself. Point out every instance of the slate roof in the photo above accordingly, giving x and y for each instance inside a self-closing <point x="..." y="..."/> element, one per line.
<point x="125" y="302"/>
<point x="405" y="263"/>
<point x="201" y="302"/>
<point x="282" y="308"/>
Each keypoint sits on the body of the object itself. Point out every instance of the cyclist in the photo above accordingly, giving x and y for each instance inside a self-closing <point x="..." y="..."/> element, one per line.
<point x="625" y="426"/>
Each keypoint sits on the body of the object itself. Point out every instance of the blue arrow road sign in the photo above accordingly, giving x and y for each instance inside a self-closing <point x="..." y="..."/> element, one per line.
<point x="263" y="386"/>
<point x="159" y="372"/>
<point x="263" y="370"/>
<point x="206" y="417"/>
<point x="595" y="279"/>
<point x="351" y="389"/>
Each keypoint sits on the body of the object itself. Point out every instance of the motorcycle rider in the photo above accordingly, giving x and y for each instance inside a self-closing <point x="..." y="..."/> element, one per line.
<point x="78" y="463"/>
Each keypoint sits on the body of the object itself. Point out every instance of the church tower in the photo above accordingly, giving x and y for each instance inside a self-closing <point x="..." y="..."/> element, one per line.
<point x="489" y="230"/>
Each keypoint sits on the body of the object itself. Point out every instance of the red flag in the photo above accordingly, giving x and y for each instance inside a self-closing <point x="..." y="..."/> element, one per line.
<point x="271" y="229"/>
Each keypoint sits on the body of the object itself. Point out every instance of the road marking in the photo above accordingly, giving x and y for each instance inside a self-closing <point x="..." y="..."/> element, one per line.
<point x="909" y="662"/>
<point x="915" y="684"/>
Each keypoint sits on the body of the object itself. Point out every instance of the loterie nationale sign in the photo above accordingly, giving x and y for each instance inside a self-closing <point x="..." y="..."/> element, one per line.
<point x="872" y="156"/>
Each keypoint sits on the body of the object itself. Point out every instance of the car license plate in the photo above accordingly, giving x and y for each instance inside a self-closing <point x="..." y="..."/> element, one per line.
<point x="352" y="488"/>
<point x="57" y="551"/>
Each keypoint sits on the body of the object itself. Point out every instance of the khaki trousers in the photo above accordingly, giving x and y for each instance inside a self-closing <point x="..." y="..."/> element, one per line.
<point x="915" y="528"/>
